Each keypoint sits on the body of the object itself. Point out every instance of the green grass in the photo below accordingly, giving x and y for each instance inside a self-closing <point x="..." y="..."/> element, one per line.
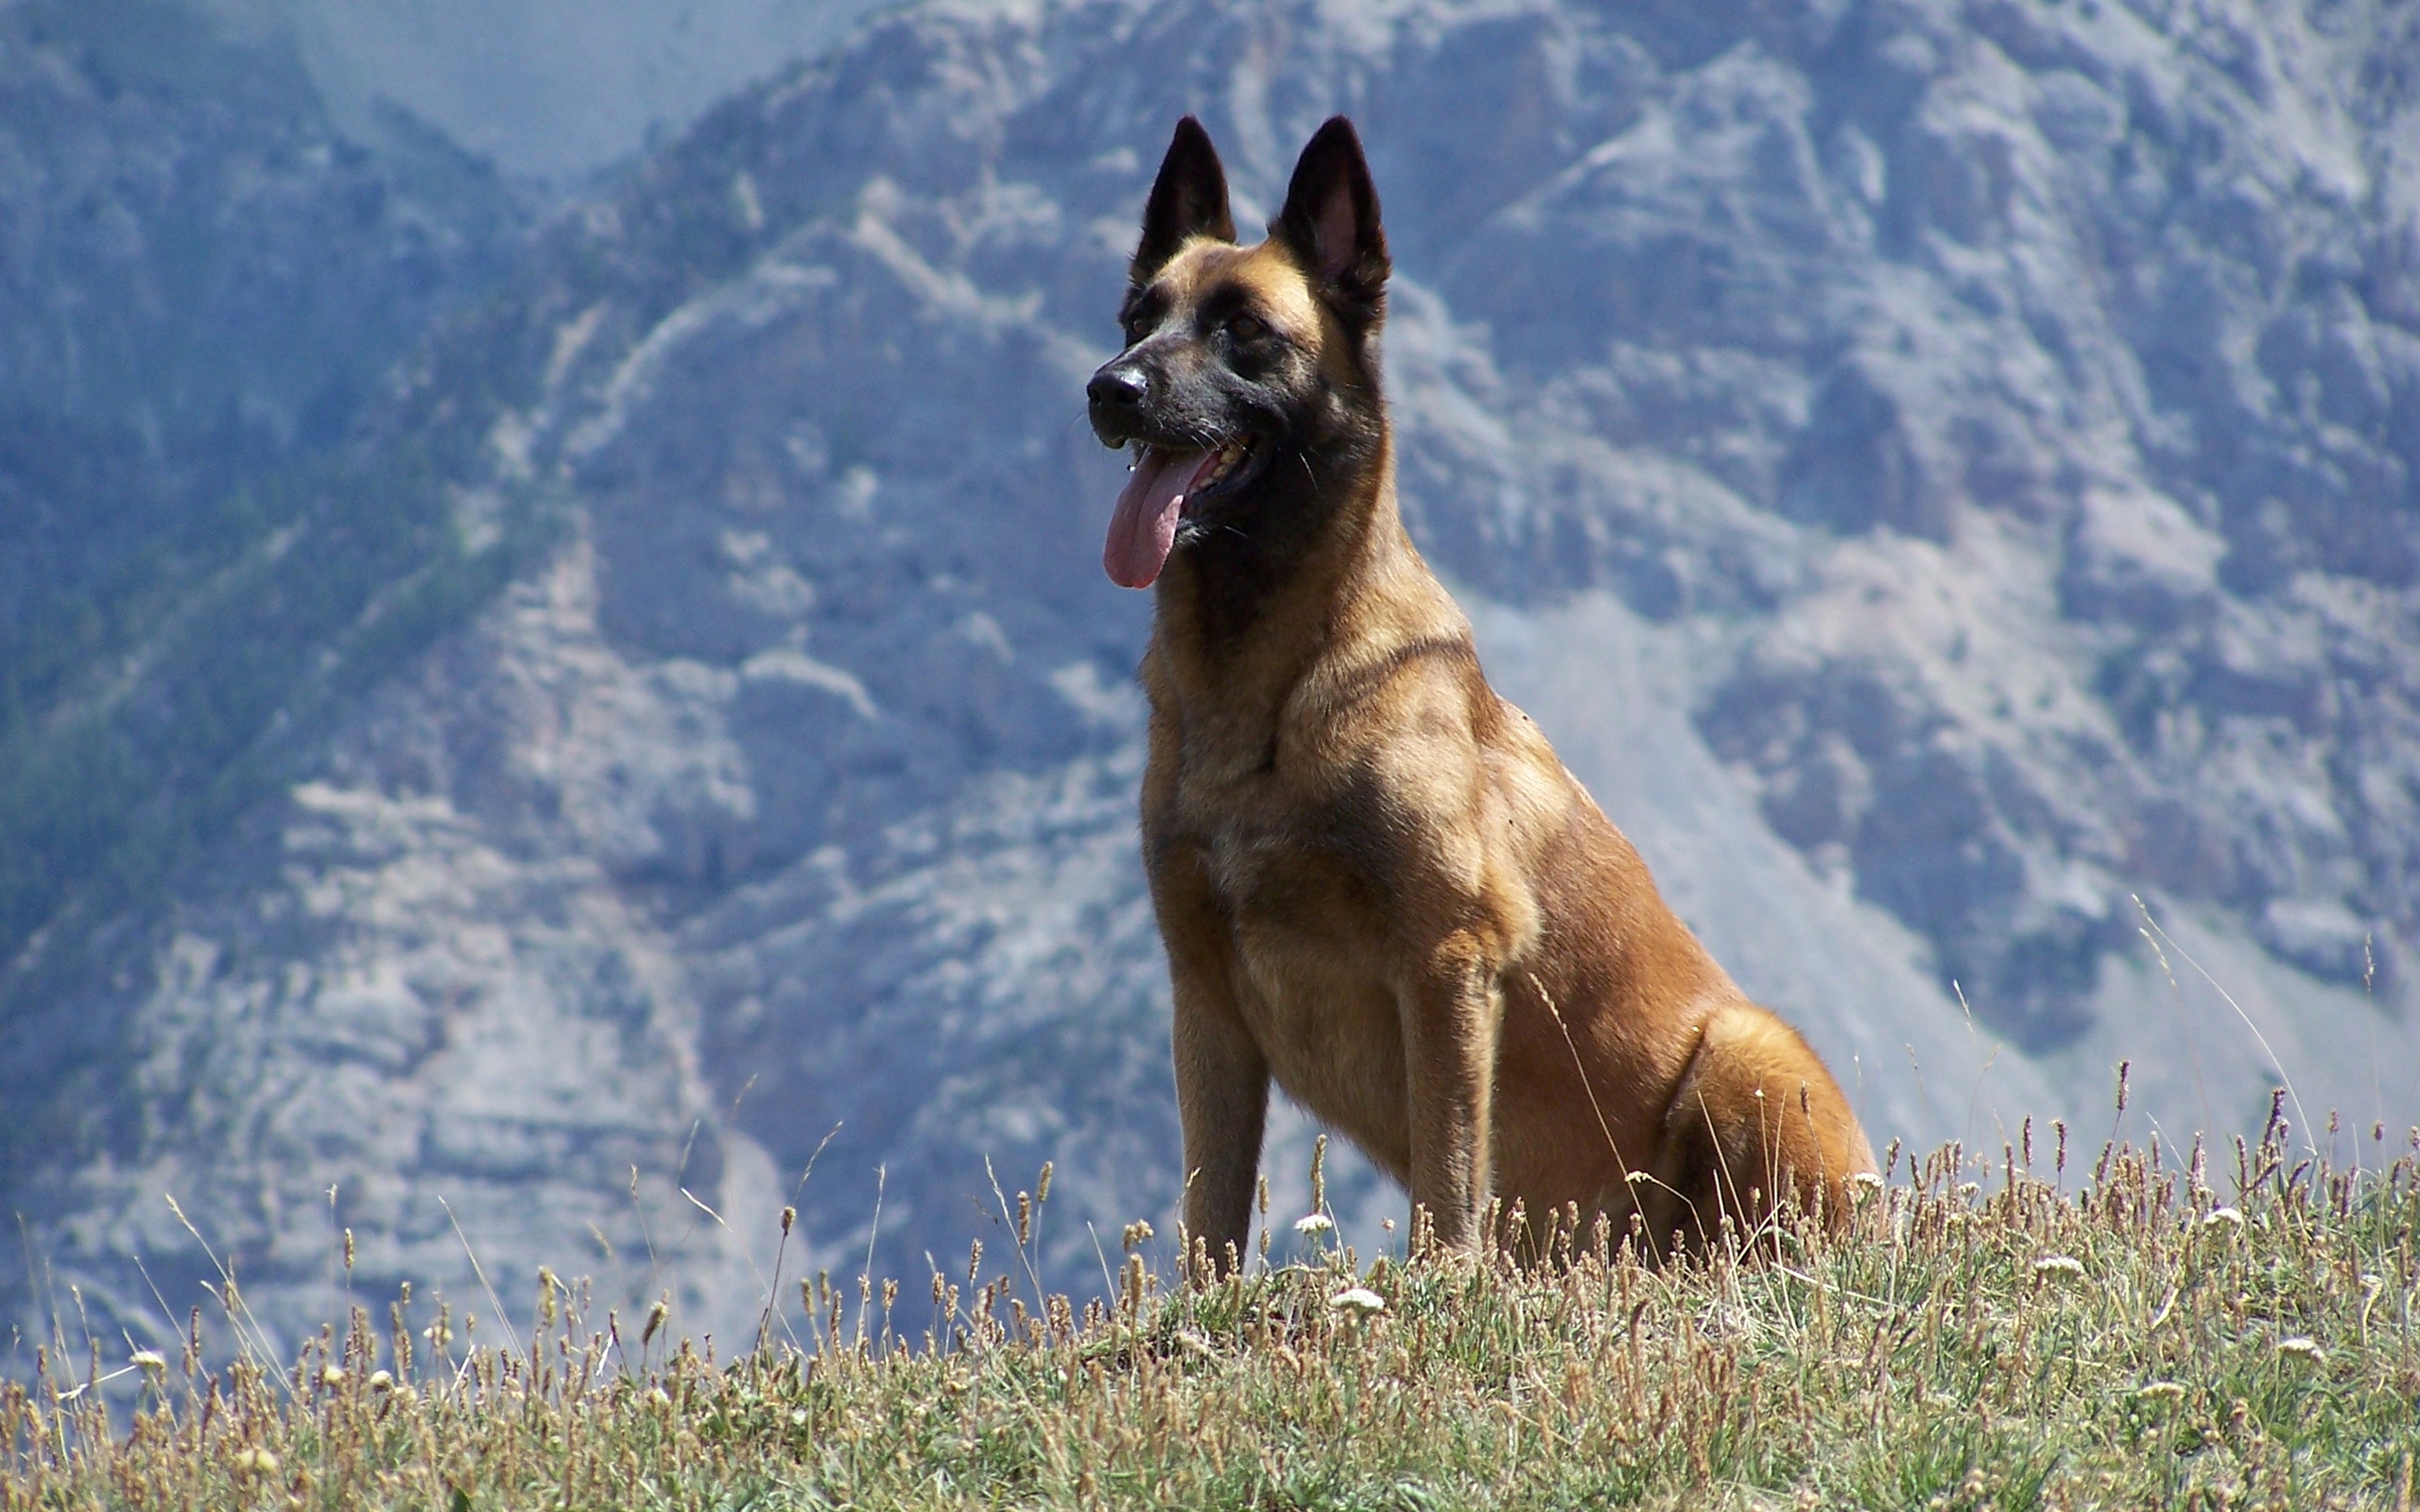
<point x="2143" y="1341"/>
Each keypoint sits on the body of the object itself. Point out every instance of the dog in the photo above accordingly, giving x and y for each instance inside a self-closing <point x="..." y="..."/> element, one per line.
<point x="1376" y="883"/>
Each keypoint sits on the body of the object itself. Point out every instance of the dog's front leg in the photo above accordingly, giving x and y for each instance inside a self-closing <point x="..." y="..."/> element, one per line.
<point x="1449" y="1029"/>
<point x="1222" y="1076"/>
<point x="1223" y="1101"/>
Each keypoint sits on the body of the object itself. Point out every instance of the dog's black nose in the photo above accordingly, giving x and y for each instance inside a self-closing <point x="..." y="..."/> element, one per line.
<point x="1116" y="387"/>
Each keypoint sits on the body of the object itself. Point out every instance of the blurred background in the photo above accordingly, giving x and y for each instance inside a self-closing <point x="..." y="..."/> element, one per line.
<point x="554" y="673"/>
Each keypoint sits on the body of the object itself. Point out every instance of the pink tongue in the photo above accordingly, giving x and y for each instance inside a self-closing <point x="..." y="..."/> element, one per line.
<point x="1143" y="528"/>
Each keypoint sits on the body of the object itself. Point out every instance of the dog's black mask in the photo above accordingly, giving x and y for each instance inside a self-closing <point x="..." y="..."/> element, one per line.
<point x="1250" y="375"/>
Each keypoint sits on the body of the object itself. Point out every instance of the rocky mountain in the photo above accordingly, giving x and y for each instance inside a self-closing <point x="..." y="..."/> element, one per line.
<point x="202" y="282"/>
<point x="552" y="89"/>
<point x="192" y="247"/>
<point x="1941" y="469"/>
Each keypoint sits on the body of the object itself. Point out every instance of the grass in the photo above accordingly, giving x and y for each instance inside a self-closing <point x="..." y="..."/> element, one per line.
<point x="2133" y="1337"/>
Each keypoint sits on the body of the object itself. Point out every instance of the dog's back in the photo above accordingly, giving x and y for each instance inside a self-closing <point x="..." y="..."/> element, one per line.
<point x="1376" y="883"/>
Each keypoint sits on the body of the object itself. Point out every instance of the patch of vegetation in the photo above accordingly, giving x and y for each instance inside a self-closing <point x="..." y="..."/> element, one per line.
<point x="2145" y="1341"/>
<point x="141" y="719"/>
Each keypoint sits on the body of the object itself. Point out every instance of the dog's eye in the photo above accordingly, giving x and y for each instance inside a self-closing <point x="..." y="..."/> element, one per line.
<point x="1243" y="328"/>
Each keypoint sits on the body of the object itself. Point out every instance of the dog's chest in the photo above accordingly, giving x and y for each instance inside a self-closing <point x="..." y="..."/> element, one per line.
<point x="1305" y="933"/>
<point x="1288" y="862"/>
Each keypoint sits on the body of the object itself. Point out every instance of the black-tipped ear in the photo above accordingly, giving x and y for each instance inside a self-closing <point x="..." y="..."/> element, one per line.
<point x="1331" y="218"/>
<point x="1189" y="200"/>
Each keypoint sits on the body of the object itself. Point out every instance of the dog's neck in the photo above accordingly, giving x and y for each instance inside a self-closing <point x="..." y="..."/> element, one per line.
<point x="1241" y="614"/>
<point x="1308" y="511"/>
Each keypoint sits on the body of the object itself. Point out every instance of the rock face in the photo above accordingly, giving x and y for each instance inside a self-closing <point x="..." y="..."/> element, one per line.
<point x="1942" y="473"/>
<point x="554" y="89"/>
<point x="201" y="281"/>
<point x="193" y="252"/>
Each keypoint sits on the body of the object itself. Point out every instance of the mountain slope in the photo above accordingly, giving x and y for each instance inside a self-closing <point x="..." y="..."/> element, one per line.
<point x="203" y="284"/>
<point x="552" y="89"/>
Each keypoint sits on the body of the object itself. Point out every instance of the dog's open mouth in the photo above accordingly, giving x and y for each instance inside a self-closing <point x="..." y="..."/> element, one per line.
<point x="1167" y="485"/>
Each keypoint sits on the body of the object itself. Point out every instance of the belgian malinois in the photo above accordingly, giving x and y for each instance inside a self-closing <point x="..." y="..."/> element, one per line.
<point x="1375" y="881"/>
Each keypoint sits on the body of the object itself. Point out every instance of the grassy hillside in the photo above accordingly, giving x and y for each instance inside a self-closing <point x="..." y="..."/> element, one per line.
<point x="2238" y="1331"/>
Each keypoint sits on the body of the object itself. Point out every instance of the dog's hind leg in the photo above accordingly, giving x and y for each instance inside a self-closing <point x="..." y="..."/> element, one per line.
<point x="1755" y="1122"/>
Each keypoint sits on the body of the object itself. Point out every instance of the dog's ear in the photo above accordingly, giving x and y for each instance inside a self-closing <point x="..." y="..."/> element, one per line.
<point x="1189" y="200"/>
<point x="1331" y="220"/>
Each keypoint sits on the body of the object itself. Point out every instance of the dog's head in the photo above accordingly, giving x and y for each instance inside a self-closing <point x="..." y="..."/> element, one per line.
<point x="1250" y="378"/>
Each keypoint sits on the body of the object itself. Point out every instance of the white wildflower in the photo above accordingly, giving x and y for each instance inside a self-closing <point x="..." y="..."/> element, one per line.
<point x="2303" y="1347"/>
<point x="1358" y="1301"/>
<point x="150" y="1362"/>
<point x="2061" y="1267"/>
<point x="1312" y="1225"/>
<point x="2223" y="1218"/>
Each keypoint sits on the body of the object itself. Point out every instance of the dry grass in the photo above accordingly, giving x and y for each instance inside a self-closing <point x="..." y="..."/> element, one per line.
<point x="2145" y="1340"/>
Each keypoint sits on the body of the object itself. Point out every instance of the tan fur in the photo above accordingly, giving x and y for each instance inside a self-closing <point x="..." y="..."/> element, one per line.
<point x="1379" y="886"/>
